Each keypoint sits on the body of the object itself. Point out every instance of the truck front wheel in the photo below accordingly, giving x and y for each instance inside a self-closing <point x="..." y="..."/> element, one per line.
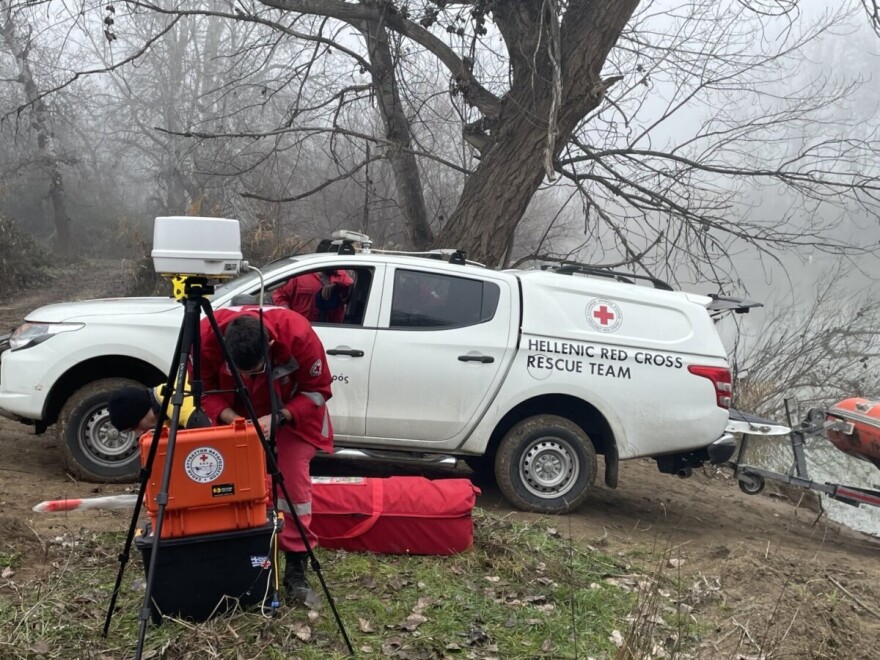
<point x="91" y="447"/>
<point x="546" y="464"/>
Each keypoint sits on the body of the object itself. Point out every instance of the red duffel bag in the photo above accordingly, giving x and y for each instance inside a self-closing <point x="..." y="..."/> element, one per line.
<point x="397" y="515"/>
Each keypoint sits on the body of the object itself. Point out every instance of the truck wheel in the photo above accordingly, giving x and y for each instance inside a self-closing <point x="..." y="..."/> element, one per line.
<point x="546" y="464"/>
<point x="91" y="447"/>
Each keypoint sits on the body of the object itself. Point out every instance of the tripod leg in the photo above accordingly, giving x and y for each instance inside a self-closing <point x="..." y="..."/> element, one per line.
<point x="189" y="331"/>
<point x="143" y="477"/>
<point x="275" y="470"/>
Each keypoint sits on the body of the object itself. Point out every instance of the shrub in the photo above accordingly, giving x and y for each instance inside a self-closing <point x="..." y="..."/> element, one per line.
<point x="259" y="245"/>
<point x="23" y="262"/>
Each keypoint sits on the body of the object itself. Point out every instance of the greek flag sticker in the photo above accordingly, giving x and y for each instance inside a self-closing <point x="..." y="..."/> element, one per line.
<point x="258" y="561"/>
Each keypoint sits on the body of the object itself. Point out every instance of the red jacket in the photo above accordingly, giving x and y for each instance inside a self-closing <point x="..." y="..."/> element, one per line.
<point x="302" y="379"/>
<point x="300" y="294"/>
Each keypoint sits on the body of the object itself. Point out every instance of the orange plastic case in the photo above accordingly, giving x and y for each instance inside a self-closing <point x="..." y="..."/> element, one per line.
<point x="218" y="480"/>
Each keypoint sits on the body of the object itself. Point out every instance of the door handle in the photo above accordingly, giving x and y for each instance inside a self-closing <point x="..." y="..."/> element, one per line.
<point x="485" y="359"/>
<point x="352" y="352"/>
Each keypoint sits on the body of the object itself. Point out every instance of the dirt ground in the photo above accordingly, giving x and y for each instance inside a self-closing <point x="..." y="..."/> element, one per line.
<point x="761" y="576"/>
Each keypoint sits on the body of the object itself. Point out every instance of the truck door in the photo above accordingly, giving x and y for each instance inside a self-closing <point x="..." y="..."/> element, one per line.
<point x="441" y="349"/>
<point x="348" y="333"/>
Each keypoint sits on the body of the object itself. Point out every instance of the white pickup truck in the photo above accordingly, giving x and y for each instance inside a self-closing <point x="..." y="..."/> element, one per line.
<point x="530" y="373"/>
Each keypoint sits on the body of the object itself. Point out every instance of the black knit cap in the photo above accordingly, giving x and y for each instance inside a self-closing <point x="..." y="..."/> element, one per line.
<point x="127" y="407"/>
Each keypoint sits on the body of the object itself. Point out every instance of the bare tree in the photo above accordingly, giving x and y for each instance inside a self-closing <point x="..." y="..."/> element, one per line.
<point x="819" y="353"/>
<point x="667" y="120"/>
<point x="554" y="82"/>
<point x="397" y="131"/>
<point x="16" y="34"/>
<point x="873" y="10"/>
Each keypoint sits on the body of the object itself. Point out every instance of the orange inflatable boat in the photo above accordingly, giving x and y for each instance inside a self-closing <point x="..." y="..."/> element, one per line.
<point x="857" y="431"/>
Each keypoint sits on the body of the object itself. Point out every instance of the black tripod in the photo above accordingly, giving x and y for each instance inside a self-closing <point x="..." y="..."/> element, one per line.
<point x="188" y="346"/>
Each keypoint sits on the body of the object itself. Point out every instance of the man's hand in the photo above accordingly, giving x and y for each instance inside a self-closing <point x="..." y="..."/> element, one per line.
<point x="265" y="421"/>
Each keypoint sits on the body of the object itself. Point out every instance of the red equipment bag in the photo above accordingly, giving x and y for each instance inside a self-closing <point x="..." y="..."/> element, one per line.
<point x="397" y="515"/>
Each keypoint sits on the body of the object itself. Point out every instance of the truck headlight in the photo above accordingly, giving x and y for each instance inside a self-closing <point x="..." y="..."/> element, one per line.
<point x="31" y="334"/>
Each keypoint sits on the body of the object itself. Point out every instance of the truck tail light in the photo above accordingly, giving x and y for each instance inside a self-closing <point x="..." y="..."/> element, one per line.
<point x="720" y="377"/>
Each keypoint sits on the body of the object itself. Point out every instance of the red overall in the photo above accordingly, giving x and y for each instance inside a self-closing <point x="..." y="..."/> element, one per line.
<point x="300" y="294"/>
<point x="302" y="383"/>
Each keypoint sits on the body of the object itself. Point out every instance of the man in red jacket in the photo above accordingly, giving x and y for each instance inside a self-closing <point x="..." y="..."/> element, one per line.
<point x="320" y="297"/>
<point x="302" y="388"/>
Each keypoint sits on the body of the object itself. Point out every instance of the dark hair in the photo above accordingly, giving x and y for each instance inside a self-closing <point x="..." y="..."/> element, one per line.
<point x="244" y="339"/>
<point x="127" y="407"/>
<point x="324" y="245"/>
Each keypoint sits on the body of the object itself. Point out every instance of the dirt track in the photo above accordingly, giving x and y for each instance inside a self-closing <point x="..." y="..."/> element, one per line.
<point x="757" y="571"/>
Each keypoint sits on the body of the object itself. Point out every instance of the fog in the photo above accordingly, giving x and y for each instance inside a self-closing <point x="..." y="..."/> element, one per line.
<point x="735" y="151"/>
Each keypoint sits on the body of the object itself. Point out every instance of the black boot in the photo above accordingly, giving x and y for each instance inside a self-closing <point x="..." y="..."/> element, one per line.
<point x="299" y="591"/>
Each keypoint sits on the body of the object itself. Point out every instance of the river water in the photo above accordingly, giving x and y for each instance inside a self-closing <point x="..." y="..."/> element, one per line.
<point x="825" y="463"/>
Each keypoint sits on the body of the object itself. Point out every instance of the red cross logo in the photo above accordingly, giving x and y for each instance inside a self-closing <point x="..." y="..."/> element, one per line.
<point x="604" y="315"/>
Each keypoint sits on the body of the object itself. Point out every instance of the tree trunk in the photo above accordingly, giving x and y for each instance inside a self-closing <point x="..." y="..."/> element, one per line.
<point x="41" y="124"/>
<point x="410" y="193"/>
<point x="497" y="194"/>
<point x="176" y="157"/>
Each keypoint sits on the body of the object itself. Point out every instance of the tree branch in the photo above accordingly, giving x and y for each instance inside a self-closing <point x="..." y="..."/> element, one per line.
<point x="80" y="74"/>
<point x="471" y="89"/>
<point x="258" y="20"/>
<point x="312" y="130"/>
<point x="318" y="188"/>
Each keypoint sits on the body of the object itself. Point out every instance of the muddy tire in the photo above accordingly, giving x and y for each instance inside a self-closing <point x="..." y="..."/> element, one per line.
<point x="91" y="448"/>
<point x="546" y="464"/>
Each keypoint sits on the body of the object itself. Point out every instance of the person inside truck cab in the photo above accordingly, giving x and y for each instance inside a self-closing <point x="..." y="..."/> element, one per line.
<point x="320" y="296"/>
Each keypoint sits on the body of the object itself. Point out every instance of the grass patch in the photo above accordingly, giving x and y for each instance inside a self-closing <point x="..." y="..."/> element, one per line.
<point x="9" y="559"/>
<point x="522" y="592"/>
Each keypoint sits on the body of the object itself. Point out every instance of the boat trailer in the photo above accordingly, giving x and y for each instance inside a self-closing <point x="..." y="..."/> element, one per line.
<point x="751" y="479"/>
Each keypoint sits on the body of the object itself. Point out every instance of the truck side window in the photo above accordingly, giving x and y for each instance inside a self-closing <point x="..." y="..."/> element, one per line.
<point x="428" y="300"/>
<point x="327" y="296"/>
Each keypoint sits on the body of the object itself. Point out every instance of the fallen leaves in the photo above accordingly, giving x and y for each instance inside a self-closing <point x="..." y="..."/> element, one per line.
<point x="302" y="631"/>
<point x="40" y="647"/>
<point x="397" y="582"/>
<point x="392" y="645"/>
<point x="413" y="621"/>
<point x="478" y="637"/>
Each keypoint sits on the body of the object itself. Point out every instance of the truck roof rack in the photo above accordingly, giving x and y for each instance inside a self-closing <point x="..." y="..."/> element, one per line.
<point x="451" y="255"/>
<point x="344" y="241"/>
<point x="570" y="268"/>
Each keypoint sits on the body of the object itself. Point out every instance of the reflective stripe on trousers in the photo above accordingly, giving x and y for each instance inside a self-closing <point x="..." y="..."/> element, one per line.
<point x="302" y="509"/>
<point x="294" y="456"/>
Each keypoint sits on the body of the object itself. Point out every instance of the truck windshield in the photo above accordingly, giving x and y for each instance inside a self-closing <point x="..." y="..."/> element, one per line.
<point x="250" y="280"/>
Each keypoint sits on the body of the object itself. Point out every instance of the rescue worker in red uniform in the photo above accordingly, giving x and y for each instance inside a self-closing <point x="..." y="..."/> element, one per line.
<point x="320" y="296"/>
<point x="302" y="388"/>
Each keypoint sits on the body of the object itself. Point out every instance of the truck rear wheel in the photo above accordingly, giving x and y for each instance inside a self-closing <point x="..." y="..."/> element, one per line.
<point x="91" y="447"/>
<point x="546" y="464"/>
